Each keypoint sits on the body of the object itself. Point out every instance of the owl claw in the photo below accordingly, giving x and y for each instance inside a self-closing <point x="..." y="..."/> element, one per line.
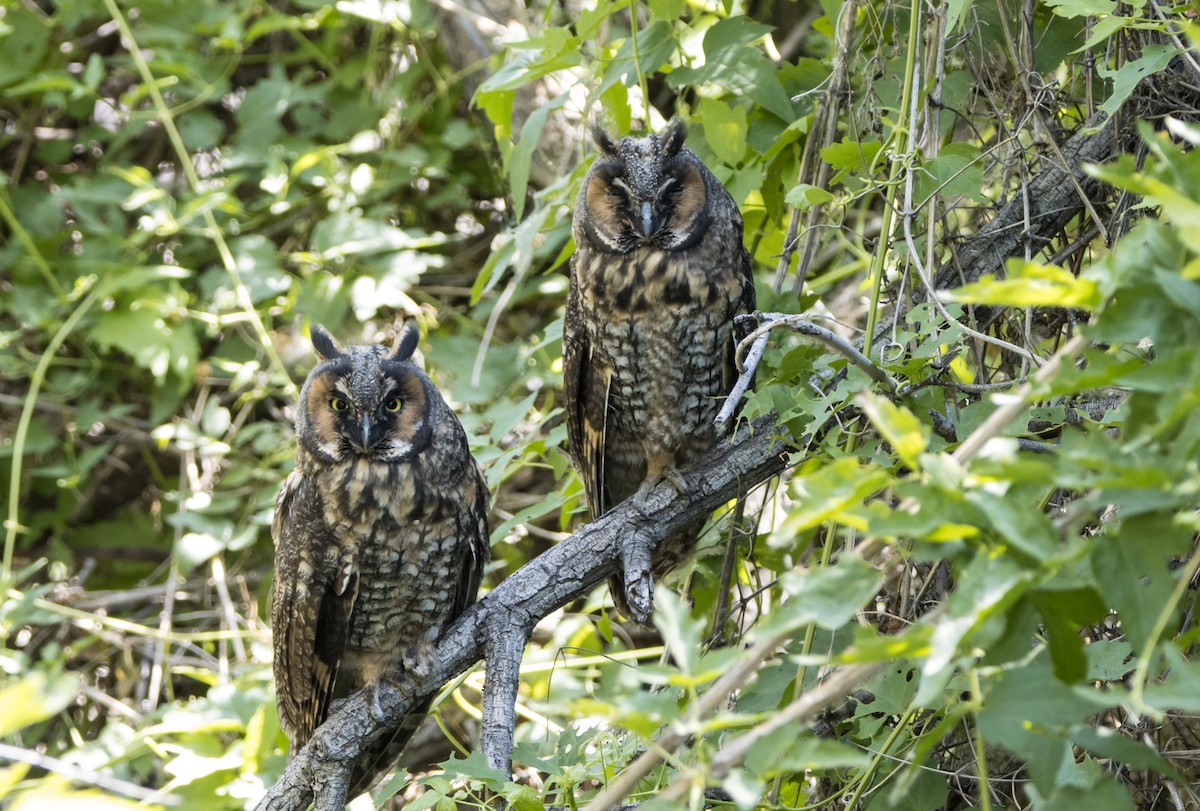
<point x="636" y="580"/>
<point x="374" y="708"/>
<point x="640" y="500"/>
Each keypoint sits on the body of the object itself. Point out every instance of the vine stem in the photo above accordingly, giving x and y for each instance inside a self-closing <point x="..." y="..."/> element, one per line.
<point x="189" y="172"/>
<point x="904" y="124"/>
<point x="643" y="83"/>
<point x="31" y="249"/>
<point x="11" y="522"/>
<point x="1141" y="673"/>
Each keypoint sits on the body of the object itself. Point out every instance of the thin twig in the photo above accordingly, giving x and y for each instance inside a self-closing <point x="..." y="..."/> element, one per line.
<point x="92" y="778"/>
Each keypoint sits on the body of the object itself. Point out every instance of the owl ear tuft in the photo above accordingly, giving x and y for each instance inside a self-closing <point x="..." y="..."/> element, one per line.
<point x="674" y="136"/>
<point x="407" y="344"/>
<point x="322" y="341"/>
<point x="603" y="140"/>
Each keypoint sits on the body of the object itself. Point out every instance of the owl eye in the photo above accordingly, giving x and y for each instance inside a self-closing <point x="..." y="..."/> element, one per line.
<point x="338" y="404"/>
<point x="393" y="404"/>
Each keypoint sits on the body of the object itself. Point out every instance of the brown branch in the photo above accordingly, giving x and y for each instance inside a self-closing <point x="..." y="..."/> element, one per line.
<point x="501" y="622"/>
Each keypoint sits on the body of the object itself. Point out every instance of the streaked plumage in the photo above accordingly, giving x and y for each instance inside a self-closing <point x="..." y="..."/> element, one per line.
<point x="658" y="275"/>
<point x="381" y="536"/>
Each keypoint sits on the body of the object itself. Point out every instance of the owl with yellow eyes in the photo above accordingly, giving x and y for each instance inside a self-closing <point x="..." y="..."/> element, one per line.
<point x="381" y="536"/>
<point x="658" y="276"/>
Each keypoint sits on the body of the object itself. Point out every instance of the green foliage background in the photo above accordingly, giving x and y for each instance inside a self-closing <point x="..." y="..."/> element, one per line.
<point x="186" y="187"/>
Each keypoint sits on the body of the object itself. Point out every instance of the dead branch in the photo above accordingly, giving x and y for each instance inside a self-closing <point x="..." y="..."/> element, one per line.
<point x="499" y="625"/>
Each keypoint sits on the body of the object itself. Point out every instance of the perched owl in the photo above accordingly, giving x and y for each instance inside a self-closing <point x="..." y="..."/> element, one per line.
<point x="381" y="536"/>
<point x="658" y="275"/>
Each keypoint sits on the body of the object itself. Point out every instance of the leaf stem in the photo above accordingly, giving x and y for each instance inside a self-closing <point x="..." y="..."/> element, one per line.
<point x="637" y="62"/>
<point x="31" y="248"/>
<point x="1141" y="673"/>
<point x="11" y="522"/>
<point x="904" y="124"/>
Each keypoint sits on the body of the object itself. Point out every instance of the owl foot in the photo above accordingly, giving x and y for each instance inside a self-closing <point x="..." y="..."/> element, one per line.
<point x="633" y="589"/>
<point x="640" y="500"/>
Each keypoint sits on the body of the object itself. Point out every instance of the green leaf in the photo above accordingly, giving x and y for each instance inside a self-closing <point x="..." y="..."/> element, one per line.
<point x="1154" y="59"/>
<point x="34" y="697"/>
<point x="1030" y="284"/>
<point x="24" y="41"/>
<point x="1081" y="8"/>
<point x="732" y="63"/>
<point x="258" y="265"/>
<point x="804" y="196"/>
<point x="681" y="631"/>
<point x="907" y="435"/>
<point x="828" y="596"/>
<point x="957" y="170"/>
<point x="851" y="157"/>
<point x="986" y="588"/>
<point x="1132" y="563"/>
<point x="829" y="494"/>
<point x="783" y="752"/>
<point x="667" y="10"/>
<point x="521" y="159"/>
<point x="725" y="128"/>
<point x="1179" y="688"/>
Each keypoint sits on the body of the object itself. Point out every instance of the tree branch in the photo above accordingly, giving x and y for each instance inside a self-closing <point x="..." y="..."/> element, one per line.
<point x="501" y="622"/>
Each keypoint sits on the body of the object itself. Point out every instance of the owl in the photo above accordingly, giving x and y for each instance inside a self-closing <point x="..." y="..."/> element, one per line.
<point x="381" y="536"/>
<point x="658" y="275"/>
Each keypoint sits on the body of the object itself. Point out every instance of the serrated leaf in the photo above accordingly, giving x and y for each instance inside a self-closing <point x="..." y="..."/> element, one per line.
<point x="1154" y="58"/>
<point x="731" y="62"/>
<point x="850" y="156"/>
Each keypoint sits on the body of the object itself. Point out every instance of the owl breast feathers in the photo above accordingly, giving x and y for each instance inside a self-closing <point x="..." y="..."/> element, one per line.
<point x="659" y="274"/>
<point x="381" y="536"/>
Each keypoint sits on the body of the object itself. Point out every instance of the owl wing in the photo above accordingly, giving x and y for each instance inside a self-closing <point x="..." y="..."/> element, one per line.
<point x="585" y="399"/>
<point x="314" y="595"/>
<point x="747" y="304"/>
<point x="473" y="529"/>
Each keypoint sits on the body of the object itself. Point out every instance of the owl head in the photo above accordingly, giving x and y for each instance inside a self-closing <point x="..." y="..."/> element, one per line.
<point x="650" y="191"/>
<point x="365" y="402"/>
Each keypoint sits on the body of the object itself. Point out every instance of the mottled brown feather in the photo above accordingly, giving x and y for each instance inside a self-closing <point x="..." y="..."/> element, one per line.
<point x="658" y="276"/>
<point x="381" y="538"/>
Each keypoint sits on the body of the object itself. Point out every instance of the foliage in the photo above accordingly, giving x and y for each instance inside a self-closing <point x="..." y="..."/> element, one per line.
<point x="186" y="187"/>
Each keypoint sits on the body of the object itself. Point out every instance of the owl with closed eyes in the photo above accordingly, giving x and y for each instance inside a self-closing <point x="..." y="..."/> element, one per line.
<point x="658" y="275"/>
<point x="381" y="536"/>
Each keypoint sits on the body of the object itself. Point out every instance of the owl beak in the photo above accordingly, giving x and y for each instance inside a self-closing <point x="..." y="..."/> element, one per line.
<point x="646" y="224"/>
<point x="364" y="444"/>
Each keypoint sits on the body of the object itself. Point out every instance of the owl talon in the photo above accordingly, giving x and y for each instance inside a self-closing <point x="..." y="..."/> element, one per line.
<point x="633" y="590"/>
<point x="640" y="500"/>
<point x="374" y="708"/>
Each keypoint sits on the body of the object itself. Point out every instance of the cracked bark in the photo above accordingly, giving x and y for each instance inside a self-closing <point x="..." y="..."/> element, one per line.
<point x="500" y="623"/>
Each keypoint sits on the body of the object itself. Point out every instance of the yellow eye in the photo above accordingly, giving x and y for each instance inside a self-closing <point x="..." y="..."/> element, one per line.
<point x="338" y="404"/>
<point x="393" y="404"/>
